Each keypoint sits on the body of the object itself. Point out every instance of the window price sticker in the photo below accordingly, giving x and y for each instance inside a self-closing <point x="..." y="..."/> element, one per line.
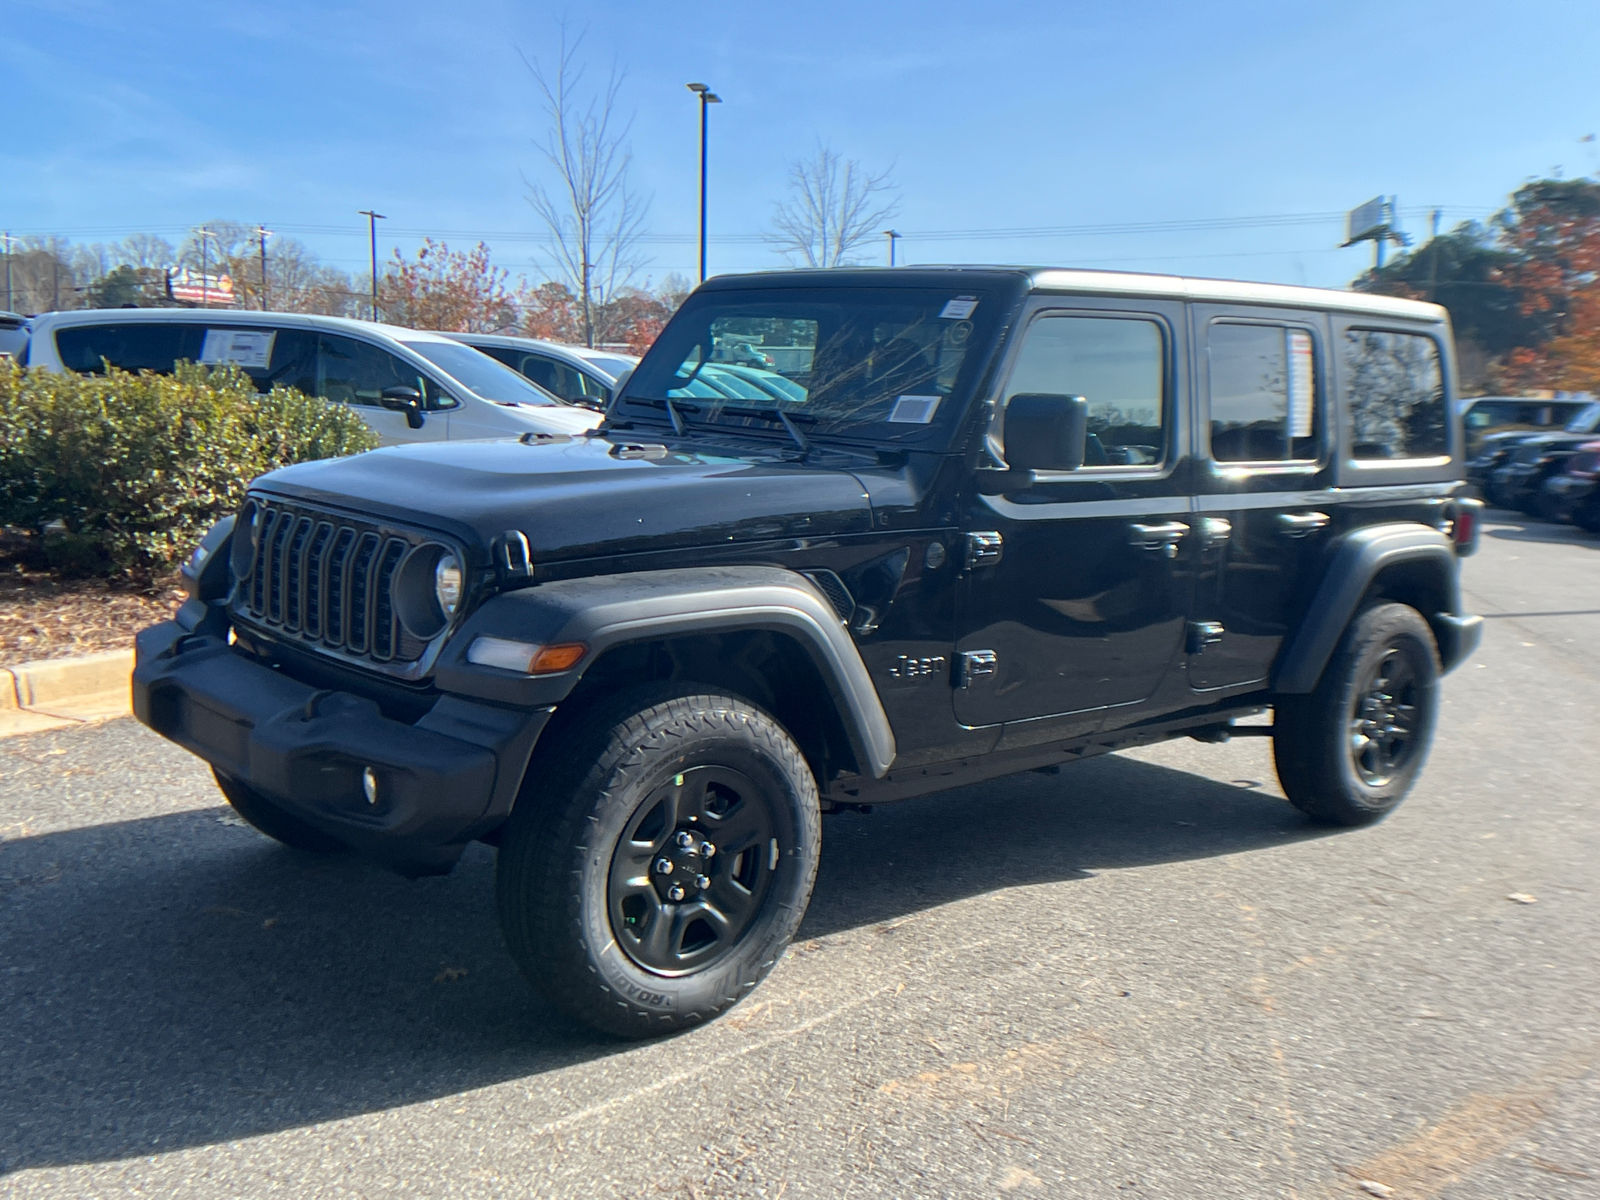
<point x="914" y="410"/>
<point x="248" y="348"/>
<point x="1302" y="388"/>
<point x="958" y="309"/>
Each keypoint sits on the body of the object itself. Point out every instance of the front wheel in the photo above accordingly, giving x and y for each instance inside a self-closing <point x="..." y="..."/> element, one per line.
<point x="1350" y="751"/>
<point x="657" y="875"/>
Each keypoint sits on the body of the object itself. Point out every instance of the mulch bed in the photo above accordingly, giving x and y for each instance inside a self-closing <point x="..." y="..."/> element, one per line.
<point x="45" y="617"/>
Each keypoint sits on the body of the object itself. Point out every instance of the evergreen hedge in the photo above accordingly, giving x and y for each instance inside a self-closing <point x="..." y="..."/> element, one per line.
<point x="121" y="474"/>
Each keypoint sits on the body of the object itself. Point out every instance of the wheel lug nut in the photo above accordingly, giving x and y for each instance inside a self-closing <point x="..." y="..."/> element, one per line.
<point x="663" y="866"/>
<point x="685" y="839"/>
<point x="675" y="892"/>
<point x="702" y="882"/>
<point x="707" y="850"/>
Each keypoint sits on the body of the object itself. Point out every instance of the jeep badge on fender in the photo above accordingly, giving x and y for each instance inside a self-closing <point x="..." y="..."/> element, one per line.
<point x="644" y="661"/>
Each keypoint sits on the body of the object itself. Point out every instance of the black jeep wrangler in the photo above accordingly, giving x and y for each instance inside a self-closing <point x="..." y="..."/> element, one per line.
<point x="845" y="537"/>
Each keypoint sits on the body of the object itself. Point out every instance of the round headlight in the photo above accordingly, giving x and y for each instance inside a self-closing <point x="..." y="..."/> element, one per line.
<point x="447" y="583"/>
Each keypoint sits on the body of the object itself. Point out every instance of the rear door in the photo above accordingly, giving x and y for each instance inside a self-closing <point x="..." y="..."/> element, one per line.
<point x="1075" y="593"/>
<point x="1265" y="466"/>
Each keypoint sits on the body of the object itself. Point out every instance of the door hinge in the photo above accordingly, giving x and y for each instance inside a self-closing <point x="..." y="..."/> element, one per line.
<point x="984" y="549"/>
<point x="1203" y="634"/>
<point x="972" y="666"/>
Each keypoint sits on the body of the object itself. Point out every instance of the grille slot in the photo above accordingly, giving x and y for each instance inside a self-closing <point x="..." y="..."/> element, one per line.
<point x="327" y="581"/>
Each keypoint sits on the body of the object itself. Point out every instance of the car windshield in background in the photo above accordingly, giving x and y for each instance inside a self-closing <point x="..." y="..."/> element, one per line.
<point x="611" y="366"/>
<point x="1587" y="420"/>
<point x="481" y="374"/>
<point x="878" y="363"/>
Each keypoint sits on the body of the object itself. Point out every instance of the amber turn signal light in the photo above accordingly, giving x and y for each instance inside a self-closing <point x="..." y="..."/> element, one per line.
<point x="556" y="658"/>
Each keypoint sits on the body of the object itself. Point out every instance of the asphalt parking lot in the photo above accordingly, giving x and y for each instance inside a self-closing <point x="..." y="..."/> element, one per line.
<point x="1146" y="976"/>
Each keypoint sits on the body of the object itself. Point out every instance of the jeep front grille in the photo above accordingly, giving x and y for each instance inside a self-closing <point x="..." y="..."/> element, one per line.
<point x="326" y="581"/>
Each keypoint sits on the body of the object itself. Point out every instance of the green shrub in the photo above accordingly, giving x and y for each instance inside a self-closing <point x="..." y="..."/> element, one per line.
<point x="135" y="468"/>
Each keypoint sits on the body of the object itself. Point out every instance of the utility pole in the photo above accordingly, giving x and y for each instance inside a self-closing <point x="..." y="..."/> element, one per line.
<point x="262" y="234"/>
<point x="707" y="97"/>
<point x="9" y="242"/>
<point x="372" y="224"/>
<point x="893" y="238"/>
<point x="205" y="284"/>
<point x="1433" y="256"/>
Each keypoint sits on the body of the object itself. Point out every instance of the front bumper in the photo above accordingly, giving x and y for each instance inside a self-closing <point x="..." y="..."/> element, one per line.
<point x="448" y="778"/>
<point x="1568" y="492"/>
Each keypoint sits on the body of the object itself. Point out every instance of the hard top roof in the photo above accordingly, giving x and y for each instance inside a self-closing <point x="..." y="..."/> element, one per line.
<point x="1067" y="280"/>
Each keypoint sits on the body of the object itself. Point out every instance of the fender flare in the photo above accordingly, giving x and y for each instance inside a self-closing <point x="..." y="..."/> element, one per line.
<point x="1351" y="568"/>
<point x="607" y="611"/>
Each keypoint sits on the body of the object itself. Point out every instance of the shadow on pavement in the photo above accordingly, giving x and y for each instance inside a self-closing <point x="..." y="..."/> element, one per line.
<point x="179" y="981"/>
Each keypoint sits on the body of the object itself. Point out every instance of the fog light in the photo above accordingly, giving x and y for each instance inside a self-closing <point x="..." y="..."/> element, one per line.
<point x="369" y="784"/>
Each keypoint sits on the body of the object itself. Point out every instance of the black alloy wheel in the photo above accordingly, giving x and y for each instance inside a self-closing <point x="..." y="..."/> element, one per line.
<point x="1350" y="750"/>
<point x="1383" y="725"/>
<point x="692" y="869"/>
<point x="659" y="858"/>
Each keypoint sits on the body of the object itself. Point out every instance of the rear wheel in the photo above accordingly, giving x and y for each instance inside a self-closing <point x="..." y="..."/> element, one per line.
<point x="273" y="821"/>
<point x="1350" y="751"/>
<point x="659" y="871"/>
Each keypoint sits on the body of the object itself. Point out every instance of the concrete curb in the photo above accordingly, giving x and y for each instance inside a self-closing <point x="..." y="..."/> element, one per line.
<point x="57" y="692"/>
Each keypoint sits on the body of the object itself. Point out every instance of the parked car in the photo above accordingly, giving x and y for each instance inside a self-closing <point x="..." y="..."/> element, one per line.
<point x="1574" y="493"/>
<point x="1485" y="415"/>
<point x="577" y="374"/>
<point x="13" y="335"/>
<point x="644" y="663"/>
<point x="409" y="386"/>
<point x="1518" y="482"/>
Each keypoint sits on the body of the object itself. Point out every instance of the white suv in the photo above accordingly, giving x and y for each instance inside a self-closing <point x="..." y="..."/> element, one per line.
<point x="408" y="386"/>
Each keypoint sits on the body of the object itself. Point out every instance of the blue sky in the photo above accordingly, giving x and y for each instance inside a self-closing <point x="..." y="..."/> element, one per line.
<point x="160" y="114"/>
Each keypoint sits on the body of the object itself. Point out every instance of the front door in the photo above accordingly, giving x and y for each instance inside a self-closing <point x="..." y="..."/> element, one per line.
<point x="1261" y="486"/>
<point x="351" y="371"/>
<point x="1075" y="595"/>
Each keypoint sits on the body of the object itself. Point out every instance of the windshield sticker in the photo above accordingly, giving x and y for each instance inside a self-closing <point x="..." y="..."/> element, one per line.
<point x="958" y="309"/>
<point x="247" y="348"/>
<point x="914" y="410"/>
<point x="1302" y="395"/>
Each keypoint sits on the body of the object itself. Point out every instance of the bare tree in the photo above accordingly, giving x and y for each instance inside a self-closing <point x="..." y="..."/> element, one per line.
<point x="594" y="217"/>
<point x="835" y="206"/>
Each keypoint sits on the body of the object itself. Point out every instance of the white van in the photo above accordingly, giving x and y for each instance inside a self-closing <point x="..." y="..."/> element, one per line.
<point x="409" y="386"/>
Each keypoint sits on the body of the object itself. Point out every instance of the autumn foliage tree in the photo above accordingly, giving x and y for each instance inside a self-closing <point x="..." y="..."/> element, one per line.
<point x="458" y="291"/>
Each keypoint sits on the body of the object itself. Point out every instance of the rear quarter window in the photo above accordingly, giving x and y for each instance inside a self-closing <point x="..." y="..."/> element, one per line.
<point x="142" y="346"/>
<point x="1394" y="393"/>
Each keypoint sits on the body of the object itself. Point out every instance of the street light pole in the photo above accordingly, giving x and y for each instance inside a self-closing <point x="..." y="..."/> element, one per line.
<point x="707" y="96"/>
<point x="372" y="225"/>
<point x="893" y="238"/>
<point x="205" y="290"/>
<point x="262" y="234"/>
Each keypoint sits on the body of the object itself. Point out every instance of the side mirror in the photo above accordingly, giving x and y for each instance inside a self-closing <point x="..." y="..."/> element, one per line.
<point x="404" y="399"/>
<point x="1045" y="432"/>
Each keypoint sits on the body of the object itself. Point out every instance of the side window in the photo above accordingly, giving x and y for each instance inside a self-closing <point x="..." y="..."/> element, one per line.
<point x="1263" y="393"/>
<point x="356" y="372"/>
<point x="1394" y="386"/>
<point x="294" y="362"/>
<point x="1118" y="364"/>
<point x="130" y="346"/>
<point x="542" y="371"/>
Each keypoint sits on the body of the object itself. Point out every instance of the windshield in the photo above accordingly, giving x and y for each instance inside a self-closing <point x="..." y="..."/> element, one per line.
<point x="479" y="373"/>
<point x="611" y="366"/>
<point x="881" y="363"/>
<point x="1587" y="420"/>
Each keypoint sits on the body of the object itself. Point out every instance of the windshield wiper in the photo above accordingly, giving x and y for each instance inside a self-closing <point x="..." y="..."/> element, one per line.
<point x="679" y="426"/>
<point x="775" y="414"/>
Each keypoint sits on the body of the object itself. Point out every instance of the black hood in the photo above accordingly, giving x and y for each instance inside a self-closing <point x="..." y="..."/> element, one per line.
<point x="577" y="499"/>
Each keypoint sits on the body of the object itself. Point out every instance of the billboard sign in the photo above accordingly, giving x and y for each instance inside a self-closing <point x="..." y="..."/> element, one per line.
<point x="213" y="291"/>
<point x="1368" y="221"/>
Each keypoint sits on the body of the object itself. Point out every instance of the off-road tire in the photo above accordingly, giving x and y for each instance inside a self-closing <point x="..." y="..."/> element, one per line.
<point x="266" y="817"/>
<point x="554" y="872"/>
<point x="1587" y="516"/>
<point x="1315" y="736"/>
